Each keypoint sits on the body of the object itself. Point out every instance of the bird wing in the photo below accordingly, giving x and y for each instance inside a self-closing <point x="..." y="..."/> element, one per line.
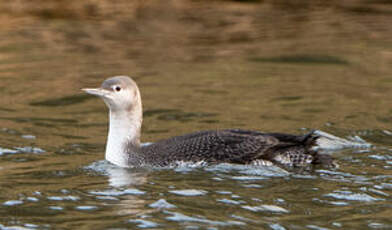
<point x="232" y="146"/>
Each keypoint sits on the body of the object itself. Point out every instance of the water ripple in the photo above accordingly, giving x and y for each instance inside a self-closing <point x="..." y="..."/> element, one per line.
<point x="379" y="225"/>
<point x="144" y="223"/>
<point x="113" y="192"/>
<point x="384" y="186"/>
<point x="179" y="217"/>
<point x="26" y="149"/>
<point x="12" y="202"/>
<point x="336" y="203"/>
<point x="28" y="136"/>
<point x="107" y="198"/>
<point x="27" y="227"/>
<point x="162" y="204"/>
<point x="266" y="171"/>
<point x="277" y="227"/>
<point x="189" y="192"/>
<point x="228" y="201"/>
<point x="315" y="227"/>
<point x="56" y="208"/>
<point x="348" y="195"/>
<point x="241" y="178"/>
<point x="62" y="198"/>
<point x="86" y="207"/>
<point x="381" y="157"/>
<point x="266" y="208"/>
<point x="32" y="199"/>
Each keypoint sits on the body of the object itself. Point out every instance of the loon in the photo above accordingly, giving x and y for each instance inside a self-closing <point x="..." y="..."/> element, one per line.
<point x="123" y="147"/>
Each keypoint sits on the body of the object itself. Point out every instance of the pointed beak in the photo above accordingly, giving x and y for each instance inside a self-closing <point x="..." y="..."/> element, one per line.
<point x="96" y="92"/>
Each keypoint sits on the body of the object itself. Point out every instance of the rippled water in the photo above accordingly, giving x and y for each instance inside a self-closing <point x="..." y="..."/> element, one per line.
<point x="264" y="65"/>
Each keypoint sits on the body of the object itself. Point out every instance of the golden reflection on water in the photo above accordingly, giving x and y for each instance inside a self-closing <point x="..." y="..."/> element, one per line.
<point x="317" y="63"/>
<point x="265" y="65"/>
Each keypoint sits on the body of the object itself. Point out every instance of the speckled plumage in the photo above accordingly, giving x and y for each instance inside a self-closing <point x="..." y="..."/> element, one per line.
<point x="232" y="146"/>
<point x="123" y="148"/>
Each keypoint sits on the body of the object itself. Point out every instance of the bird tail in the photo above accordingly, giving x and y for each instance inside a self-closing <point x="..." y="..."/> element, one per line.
<point x="310" y="139"/>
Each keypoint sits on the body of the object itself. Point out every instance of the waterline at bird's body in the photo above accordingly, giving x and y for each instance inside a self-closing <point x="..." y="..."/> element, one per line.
<point x="123" y="148"/>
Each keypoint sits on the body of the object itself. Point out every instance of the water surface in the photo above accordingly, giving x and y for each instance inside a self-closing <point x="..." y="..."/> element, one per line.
<point x="263" y="65"/>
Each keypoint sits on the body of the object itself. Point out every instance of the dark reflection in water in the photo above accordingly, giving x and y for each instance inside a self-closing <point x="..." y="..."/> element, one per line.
<point x="63" y="101"/>
<point x="305" y="59"/>
<point x="286" y="66"/>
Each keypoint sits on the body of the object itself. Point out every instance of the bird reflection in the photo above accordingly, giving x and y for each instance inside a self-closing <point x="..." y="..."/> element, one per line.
<point x="121" y="177"/>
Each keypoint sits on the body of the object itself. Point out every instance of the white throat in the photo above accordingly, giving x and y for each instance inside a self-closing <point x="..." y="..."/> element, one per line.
<point x="124" y="132"/>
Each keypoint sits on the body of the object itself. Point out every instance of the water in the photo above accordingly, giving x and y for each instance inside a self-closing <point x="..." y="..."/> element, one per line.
<point x="265" y="65"/>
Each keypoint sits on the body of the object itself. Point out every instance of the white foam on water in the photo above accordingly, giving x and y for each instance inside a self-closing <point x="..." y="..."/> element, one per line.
<point x="328" y="141"/>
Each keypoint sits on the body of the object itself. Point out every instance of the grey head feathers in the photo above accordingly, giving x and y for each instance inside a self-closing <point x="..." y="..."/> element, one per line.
<point x="123" y="148"/>
<point x="119" y="93"/>
<point x="123" y="82"/>
<point x="122" y="97"/>
<point x="123" y="94"/>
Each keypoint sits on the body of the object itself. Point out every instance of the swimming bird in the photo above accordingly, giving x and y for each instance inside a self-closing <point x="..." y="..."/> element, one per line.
<point x="122" y="96"/>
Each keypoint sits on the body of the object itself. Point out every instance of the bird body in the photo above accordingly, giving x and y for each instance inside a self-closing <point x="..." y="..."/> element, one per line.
<point x="231" y="146"/>
<point x="123" y="148"/>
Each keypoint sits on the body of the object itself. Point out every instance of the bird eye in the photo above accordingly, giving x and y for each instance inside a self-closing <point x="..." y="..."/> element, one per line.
<point x="117" y="88"/>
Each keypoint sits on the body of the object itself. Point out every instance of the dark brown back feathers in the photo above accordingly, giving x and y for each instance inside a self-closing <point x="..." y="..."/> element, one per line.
<point x="233" y="146"/>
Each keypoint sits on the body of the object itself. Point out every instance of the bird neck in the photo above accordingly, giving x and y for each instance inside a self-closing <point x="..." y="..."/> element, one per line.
<point x="123" y="144"/>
